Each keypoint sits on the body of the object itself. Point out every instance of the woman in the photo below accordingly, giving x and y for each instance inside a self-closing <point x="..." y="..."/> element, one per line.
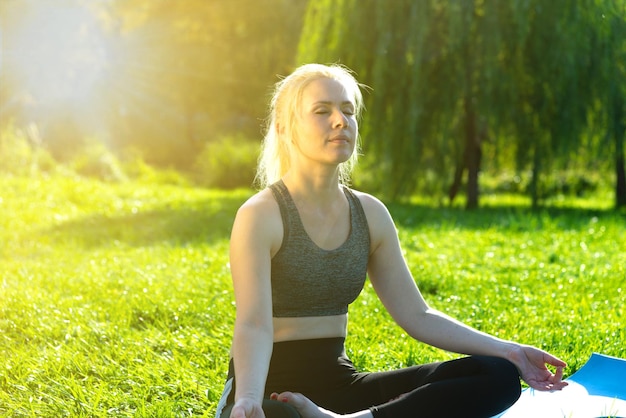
<point x="300" y="252"/>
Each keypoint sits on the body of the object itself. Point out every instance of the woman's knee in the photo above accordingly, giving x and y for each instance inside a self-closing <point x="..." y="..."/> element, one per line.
<point x="505" y="376"/>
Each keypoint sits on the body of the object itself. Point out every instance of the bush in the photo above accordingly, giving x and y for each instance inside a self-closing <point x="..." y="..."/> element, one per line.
<point x="22" y="154"/>
<point x="505" y="181"/>
<point x="570" y="183"/>
<point x="577" y="183"/>
<point x="97" y="161"/>
<point x="227" y="163"/>
<point x="136" y="168"/>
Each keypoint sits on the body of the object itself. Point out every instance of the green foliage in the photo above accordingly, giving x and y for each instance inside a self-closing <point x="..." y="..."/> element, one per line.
<point x="531" y="79"/>
<point x="166" y="76"/>
<point x="570" y="183"/>
<point x="95" y="160"/>
<point x="22" y="153"/>
<point x="116" y="299"/>
<point x="229" y="163"/>
<point x="25" y="155"/>
<point x="556" y="183"/>
<point x="137" y="169"/>
<point x="543" y="80"/>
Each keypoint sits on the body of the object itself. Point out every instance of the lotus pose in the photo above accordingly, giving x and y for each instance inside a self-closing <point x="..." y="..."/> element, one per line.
<point x="301" y="249"/>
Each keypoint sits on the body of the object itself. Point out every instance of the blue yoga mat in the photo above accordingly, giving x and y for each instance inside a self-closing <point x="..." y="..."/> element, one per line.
<point x="598" y="389"/>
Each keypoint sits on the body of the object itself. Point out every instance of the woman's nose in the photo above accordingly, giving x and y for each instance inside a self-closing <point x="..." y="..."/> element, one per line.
<point x="339" y="119"/>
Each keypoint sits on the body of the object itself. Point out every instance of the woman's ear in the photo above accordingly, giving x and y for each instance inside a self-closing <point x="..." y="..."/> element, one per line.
<point x="280" y="131"/>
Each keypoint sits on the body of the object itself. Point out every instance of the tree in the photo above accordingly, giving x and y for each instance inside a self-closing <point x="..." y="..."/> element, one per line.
<point x="175" y="76"/>
<point x="201" y="67"/>
<point x="426" y="62"/>
<point x="447" y="76"/>
<point x="553" y="89"/>
<point x="610" y="85"/>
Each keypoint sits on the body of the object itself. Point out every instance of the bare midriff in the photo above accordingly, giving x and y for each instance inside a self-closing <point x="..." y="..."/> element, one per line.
<point x="310" y="327"/>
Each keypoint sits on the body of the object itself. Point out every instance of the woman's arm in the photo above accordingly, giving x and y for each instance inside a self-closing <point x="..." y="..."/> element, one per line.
<point x="395" y="286"/>
<point x="253" y="239"/>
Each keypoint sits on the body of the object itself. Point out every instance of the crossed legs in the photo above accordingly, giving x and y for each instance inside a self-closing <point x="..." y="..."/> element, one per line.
<point x="469" y="387"/>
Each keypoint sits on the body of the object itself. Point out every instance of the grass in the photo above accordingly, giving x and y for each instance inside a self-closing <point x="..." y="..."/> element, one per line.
<point x="115" y="299"/>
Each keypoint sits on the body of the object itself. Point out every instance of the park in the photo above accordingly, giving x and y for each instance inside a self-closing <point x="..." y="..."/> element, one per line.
<point x="129" y="135"/>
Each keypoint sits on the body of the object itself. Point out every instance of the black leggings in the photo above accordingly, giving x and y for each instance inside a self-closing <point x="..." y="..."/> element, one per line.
<point x="474" y="386"/>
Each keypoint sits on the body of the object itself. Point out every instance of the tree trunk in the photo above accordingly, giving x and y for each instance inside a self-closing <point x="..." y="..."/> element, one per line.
<point x="458" y="178"/>
<point x="619" y="129"/>
<point x="473" y="155"/>
<point x="620" y="187"/>
<point x="534" y="181"/>
<point x="470" y="160"/>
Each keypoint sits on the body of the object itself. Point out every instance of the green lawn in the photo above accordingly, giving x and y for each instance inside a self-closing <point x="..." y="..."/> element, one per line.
<point x="115" y="299"/>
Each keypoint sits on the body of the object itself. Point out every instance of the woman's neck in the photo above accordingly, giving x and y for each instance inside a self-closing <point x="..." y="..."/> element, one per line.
<point x="313" y="189"/>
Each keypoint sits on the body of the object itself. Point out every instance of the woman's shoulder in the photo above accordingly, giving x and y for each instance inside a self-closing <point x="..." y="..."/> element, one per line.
<point x="371" y="204"/>
<point x="261" y="204"/>
<point x="258" y="220"/>
<point x="377" y="215"/>
<point x="381" y="225"/>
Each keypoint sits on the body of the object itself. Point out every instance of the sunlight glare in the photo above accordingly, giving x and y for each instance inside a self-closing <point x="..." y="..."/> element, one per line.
<point x="58" y="53"/>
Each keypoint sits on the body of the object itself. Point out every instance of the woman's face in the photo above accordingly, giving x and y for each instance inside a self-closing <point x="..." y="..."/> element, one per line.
<point x="326" y="128"/>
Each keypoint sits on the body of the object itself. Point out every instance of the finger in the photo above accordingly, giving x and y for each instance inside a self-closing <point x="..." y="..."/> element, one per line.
<point x="559" y="385"/>
<point x="554" y="361"/>
<point x="540" y="385"/>
<point x="546" y="386"/>
<point x="558" y="376"/>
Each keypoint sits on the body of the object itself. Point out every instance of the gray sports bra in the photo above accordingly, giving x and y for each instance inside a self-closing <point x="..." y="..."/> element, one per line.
<point x="308" y="280"/>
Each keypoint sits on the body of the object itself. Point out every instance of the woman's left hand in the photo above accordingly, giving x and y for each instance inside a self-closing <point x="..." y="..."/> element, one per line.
<point x="531" y="363"/>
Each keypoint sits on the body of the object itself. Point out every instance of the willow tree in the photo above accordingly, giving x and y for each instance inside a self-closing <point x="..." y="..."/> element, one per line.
<point x="553" y="64"/>
<point x="610" y="87"/>
<point x="433" y="69"/>
<point x="446" y="75"/>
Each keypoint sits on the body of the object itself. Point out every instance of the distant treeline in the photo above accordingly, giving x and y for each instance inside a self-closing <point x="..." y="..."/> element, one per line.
<point x="455" y="88"/>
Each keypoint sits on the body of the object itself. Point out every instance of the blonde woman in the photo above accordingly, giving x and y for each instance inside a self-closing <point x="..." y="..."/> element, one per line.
<point x="300" y="252"/>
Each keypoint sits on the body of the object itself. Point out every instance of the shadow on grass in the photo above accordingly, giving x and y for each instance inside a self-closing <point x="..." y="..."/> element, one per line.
<point x="211" y="220"/>
<point x="198" y="222"/>
<point x="514" y="218"/>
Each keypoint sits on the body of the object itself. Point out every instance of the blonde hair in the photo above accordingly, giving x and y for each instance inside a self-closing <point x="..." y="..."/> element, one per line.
<point x="275" y="158"/>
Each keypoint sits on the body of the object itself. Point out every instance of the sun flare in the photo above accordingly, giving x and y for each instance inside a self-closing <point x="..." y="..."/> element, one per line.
<point x="56" y="52"/>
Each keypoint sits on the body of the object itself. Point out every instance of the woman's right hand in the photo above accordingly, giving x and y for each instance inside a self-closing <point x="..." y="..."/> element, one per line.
<point x="247" y="408"/>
